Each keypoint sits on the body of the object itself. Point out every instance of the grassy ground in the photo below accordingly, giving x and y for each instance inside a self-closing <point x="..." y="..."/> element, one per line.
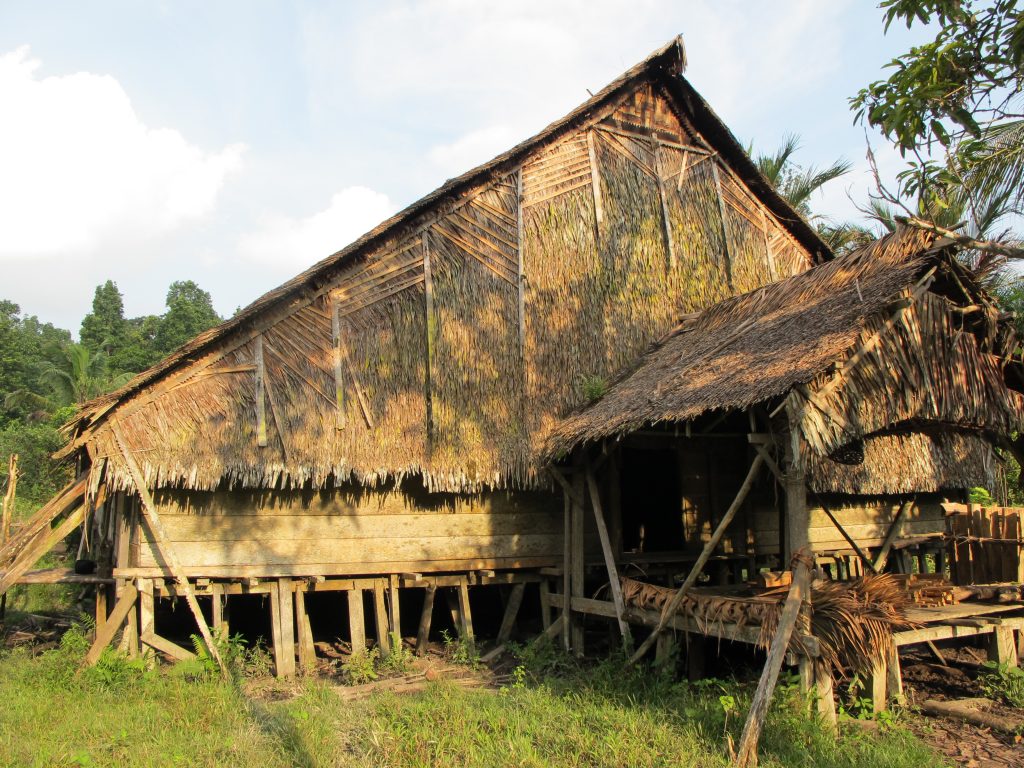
<point x="550" y="714"/>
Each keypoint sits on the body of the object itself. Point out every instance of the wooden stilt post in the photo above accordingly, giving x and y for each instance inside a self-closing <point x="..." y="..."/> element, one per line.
<point x="147" y="609"/>
<point x="380" y="618"/>
<point x="282" y="616"/>
<point x="217" y="611"/>
<point x="1001" y="648"/>
<point x="515" y="599"/>
<point x="894" y="675"/>
<point x="161" y="540"/>
<point x="394" y="611"/>
<point x="673" y="605"/>
<point x="356" y="620"/>
<point x="577" y="566"/>
<point x="826" y="701"/>
<point x="876" y="684"/>
<point x="307" y="651"/>
<point x="426" y="617"/>
<point x="466" y="619"/>
<point x="545" y="604"/>
<point x="566" y="568"/>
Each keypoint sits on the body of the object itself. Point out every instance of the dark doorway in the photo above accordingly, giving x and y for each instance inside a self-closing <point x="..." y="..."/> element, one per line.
<point x="651" y="513"/>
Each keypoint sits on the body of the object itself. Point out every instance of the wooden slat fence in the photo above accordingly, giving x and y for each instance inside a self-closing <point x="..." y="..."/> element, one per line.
<point x="986" y="545"/>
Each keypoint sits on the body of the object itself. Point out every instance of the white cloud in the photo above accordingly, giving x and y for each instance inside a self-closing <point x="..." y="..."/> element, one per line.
<point x="472" y="149"/>
<point x="291" y="244"/>
<point x="80" y="171"/>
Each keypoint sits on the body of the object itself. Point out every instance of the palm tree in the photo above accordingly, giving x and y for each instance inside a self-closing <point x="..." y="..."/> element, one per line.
<point x="797" y="185"/>
<point x="794" y="182"/>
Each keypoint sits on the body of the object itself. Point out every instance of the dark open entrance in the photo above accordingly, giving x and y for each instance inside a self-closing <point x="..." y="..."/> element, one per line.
<point x="651" y="493"/>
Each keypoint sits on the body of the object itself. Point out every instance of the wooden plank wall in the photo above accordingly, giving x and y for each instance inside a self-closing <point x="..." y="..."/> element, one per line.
<point x="226" y="534"/>
<point x="867" y="521"/>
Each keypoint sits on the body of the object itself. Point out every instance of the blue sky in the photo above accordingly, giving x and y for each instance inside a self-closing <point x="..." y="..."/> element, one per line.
<point x="235" y="143"/>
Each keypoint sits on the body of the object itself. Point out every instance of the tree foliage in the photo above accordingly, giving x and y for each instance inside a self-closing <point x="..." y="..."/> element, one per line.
<point x="105" y="329"/>
<point x="189" y="312"/>
<point x="952" y="103"/>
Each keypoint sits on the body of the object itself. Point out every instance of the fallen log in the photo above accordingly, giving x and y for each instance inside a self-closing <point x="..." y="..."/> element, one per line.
<point x="969" y="711"/>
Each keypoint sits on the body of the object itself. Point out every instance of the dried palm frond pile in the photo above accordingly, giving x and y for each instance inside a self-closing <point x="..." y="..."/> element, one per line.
<point x="853" y="621"/>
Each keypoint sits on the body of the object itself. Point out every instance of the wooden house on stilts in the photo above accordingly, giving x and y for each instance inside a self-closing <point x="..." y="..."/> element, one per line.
<point x="618" y="315"/>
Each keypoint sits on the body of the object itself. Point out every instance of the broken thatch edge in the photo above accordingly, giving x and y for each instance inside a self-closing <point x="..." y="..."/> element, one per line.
<point x="888" y="266"/>
<point x="665" y="66"/>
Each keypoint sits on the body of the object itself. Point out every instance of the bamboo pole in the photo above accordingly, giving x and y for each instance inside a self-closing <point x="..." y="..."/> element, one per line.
<point x="9" y="496"/>
<point x="698" y="567"/>
<point x="746" y="755"/>
<point x="161" y="540"/>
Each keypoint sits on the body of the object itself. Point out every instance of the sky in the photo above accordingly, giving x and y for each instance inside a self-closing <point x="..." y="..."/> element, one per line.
<point x="237" y="142"/>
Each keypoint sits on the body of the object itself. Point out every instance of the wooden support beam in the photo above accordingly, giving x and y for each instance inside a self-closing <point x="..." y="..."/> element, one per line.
<point x="877" y="685"/>
<point x="663" y="649"/>
<point x="746" y="754"/>
<point x="698" y="567"/>
<point x="162" y="645"/>
<point x="545" y="603"/>
<point x="162" y="543"/>
<point x="890" y="537"/>
<point x="356" y="620"/>
<point x="380" y="619"/>
<point x="38" y="547"/>
<point x="508" y="620"/>
<point x="426" y="617"/>
<point x="394" y="611"/>
<point x="466" y="620"/>
<point x="894" y="675"/>
<point x="284" y="633"/>
<point x="307" y="651"/>
<point x="577" y="564"/>
<point x="609" y="557"/>
<point x="70" y="498"/>
<point x="825" y="696"/>
<point x="261" y="406"/>
<point x="566" y="563"/>
<point x="219" y="625"/>
<point x="147" y="607"/>
<point x="122" y="608"/>
<point x="1001" y="649"/>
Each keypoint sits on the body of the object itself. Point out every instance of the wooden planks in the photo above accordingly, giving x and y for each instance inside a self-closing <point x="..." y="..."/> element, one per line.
<point x="364" y="551"/>
<point x="182" y="528"/>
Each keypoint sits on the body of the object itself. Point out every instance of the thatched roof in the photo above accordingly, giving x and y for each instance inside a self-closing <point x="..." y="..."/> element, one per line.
<point x="789" y="338"/>
<point x="664" y="66"/>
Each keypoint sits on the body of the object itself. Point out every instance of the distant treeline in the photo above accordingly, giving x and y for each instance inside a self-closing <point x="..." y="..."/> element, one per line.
<point x="45" y="374"/>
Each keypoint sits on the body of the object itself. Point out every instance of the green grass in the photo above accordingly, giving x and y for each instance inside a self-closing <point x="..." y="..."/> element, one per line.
<point x="121" y="714"/>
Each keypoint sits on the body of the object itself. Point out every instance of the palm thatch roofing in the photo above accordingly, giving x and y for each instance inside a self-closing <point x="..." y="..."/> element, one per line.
<point x="663" y="67"/>
<point x="864" y="345"/>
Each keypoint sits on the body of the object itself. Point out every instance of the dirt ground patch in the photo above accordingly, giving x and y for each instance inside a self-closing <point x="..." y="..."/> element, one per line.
<point x="963" y="743"/>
